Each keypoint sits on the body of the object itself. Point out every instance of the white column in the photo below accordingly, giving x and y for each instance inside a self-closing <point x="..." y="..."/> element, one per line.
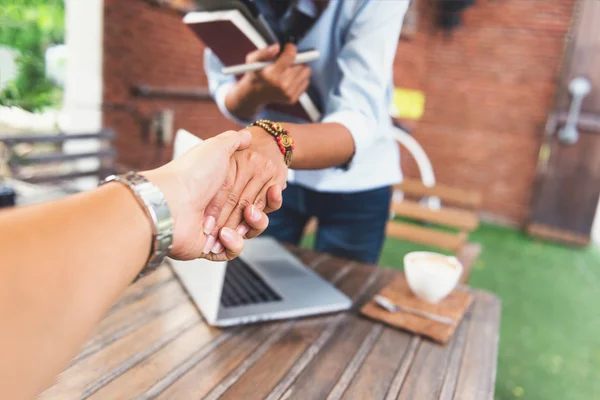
<point x="83" y="86"/>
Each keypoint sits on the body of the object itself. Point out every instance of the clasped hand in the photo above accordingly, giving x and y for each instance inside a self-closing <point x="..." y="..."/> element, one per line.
<point x="220" y="191"/>
<point x="282" y="82"/>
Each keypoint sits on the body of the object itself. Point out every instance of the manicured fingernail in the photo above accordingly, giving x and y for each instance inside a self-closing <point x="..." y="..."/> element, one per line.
<point x="209" y="224"/>
<point x="242" y="229"/>
<point x="227" y="233"/>
<point x="210" y="242"/>
<point x="254" y="213"/>
<point x="218" y="247"/>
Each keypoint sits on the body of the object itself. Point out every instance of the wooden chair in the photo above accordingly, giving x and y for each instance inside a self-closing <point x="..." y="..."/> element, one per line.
<point x="446" y="228"/>
<point x="48" y="165"/>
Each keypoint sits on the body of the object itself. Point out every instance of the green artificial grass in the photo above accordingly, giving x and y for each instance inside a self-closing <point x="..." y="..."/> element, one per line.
<point x="550" y="327"/>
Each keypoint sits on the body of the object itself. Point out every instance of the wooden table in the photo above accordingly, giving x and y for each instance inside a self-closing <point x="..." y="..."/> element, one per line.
<point x="154" y="344"/>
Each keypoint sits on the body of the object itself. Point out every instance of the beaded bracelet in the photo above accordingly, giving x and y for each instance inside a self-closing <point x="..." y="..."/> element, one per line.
<point x="281" y="135"/>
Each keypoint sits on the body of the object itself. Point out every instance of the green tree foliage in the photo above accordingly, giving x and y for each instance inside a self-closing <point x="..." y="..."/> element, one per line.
<point x="30" y="26"/>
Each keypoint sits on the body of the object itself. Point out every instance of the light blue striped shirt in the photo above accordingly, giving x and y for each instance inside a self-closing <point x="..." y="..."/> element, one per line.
<point x="357" y="40"/>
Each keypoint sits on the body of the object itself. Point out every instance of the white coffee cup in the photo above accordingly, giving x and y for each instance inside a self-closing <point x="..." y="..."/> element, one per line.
<point x="431" y="276"/>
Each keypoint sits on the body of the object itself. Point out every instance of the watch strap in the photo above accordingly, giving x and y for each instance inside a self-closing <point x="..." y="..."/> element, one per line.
<point x="153" y="203"/>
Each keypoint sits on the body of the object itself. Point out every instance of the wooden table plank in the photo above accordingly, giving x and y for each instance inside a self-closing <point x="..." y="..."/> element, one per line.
<point x="426" y="375"/>
<point x="241" y="369"/>
<point x="284" y="352"/>
<point x="144" y="375"/>
<point x="144" y="287"/>
<point x="309" y="257"/>
<point x="356" y="362"/>
<point x="217" y="365"/>
<point x="133" y="317"/>
<point x="365" y="281"/>
<point x="481" y="350"/>
<point x="191" y="378"/>
<point x="355" y="286"/>
<point x="154" y="344"/>
<point x="456" y="350"/>
<point x="141" y="378"/>
<point x="376" y="373"/>
<point x="324" y="370"/>
<point x="259" y="380"/>
<point x="89" y="375"/>
<point x="334" y="270"/>
<point x="164" y="382"/>
<point x="433" y="371"/>
<point x="404" y="368"/>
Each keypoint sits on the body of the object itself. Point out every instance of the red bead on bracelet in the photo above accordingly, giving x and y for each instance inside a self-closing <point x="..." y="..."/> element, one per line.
<point x="284" y="140"/>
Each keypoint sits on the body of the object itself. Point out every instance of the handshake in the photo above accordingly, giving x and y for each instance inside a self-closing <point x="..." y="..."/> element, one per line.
<point x="220" y="191"/>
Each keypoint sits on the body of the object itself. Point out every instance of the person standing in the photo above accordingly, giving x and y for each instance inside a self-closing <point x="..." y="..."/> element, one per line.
<point x="343" y="166"/>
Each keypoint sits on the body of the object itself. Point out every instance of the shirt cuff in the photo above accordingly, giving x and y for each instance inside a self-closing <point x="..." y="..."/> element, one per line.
<point x="220" y="95"/>
<point x="359" y="129"/>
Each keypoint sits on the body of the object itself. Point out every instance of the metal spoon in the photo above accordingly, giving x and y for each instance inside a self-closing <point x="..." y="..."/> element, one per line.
<point x="388" y="305"/>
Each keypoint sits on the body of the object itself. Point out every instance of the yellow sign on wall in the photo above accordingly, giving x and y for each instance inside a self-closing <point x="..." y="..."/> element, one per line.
<point x="408" y="104"/>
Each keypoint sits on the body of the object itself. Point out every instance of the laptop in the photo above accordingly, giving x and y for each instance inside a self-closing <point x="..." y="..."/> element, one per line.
<point x="266" y="282"/>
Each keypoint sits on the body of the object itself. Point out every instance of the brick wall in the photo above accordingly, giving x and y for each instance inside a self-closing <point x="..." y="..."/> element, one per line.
<point x="147" y="44"/>
<point x="488" y="89"/>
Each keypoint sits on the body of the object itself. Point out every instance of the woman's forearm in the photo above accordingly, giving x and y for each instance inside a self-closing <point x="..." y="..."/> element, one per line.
<point x="317" y="146"/>
<point x="320" y="145"/>
<point x="62" y="267"/>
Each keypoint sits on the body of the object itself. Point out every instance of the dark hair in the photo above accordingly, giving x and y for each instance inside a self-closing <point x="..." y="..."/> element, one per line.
<point x="450" y="12"/>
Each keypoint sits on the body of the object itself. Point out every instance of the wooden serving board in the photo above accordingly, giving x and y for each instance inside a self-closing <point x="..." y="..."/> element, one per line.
<point x="398" y="291"/>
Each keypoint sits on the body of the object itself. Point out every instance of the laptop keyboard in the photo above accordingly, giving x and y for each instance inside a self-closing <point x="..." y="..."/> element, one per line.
<point x="243" y="286"/>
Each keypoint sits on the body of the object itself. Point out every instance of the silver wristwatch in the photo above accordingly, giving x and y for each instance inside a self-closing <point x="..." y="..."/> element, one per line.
<point x="153" y="202"/>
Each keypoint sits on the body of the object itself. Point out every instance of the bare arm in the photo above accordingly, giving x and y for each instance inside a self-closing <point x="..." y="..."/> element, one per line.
<point x="55" y="286"/>
<point x="63" y="264"/>
<point x="317" y="146"/>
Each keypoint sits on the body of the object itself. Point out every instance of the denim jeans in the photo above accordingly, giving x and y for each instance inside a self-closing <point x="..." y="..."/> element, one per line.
<point x="351" y="225"/>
